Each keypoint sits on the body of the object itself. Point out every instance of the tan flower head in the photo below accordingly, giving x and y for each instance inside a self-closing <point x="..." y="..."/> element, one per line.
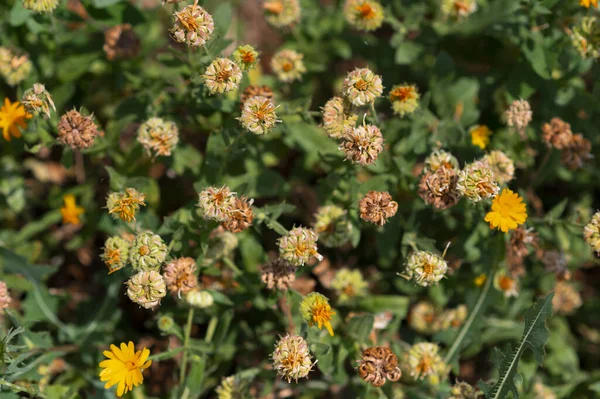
<point x="193" y="26"/>
<point x="298" y="246"/>
<point x="222" y="76"/>
<point x="254" y="91"/>
<point x="121" y="42"/>
<point x="159" y="137"/>
<point x="377" y="365"/>
<point x="519" y="115"/>
<point x="422" y="318"/>
<point x="349" y="284"/>
<point x="15" y="65"/>
<point x="425" y="361"/>
<point x="566" y="298"/>
<point x="240" y="215"/>
<point x="576" y="153"/>
<point x="5" y="299"/>
<point x="425" y="268"/>
<point x="439" y="188"/>
<point x="258" y="115"/>
<point x="439" y="159"/>
<point x="179" y="276"/>
<point x="245" y="56"/>
<point x="77" y="131"/>
<point x="216" y="203"/>
<point x="591" y="232"/>
<point x="502" y="166"/>
<point x="361" y="87"/>
<point x="557" y="133"/>
<point x="377" y="207"/>
<point x="476" y="182"/>
<point x="288" y="65"/>
<point x="366" y="15"/>
<point x="291" y="358"/>
<point x="362" y="144"/>
<point x="278" y="274"/>
<point x="146" y="288"/>
<point x="336" y="119"/>
<point x="282" y="13"/>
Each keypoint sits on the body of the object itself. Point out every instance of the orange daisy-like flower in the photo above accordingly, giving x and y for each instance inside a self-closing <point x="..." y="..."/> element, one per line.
<point x="588" y="3"/>
<point x="12" y="116"/>
<point x="508" y="211"/>
<point x="480" y="136"/>
<point x="315" y="309"/>
<point x="70" y="212"/>
<point x="124" y="366"/>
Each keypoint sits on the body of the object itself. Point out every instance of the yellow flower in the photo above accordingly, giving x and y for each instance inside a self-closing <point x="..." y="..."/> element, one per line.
<point x="480" y="136"/>
<point x="11" y="116"/>
<point x="480" y="280"/>
<point x="508" y="211"/>
<point x="315" y="309"/>
<point x="124" y="366"/>
<point x="70" y="212"/>
<point x="588" y="3"/>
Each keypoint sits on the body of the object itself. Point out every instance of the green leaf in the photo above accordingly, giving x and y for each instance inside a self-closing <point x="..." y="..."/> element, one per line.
<point x="556" y="212"/>
<point x="72" y="67"/>
<point x="360" y="327"/>
<point x="392" y="303"/>
<point x="535" y="335"/>
<point x="222" y="17"/>
<point x="19" y="14"/>
<point x="104" y="3"/>
<point x="324" y="355"/>
<point x="117" y="182"/>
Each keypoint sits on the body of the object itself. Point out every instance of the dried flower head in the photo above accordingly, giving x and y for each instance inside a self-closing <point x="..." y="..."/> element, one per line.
<point x="349" y="284"/>
<point x="576" y="153"/>
<point x="591" y="232"/>
<point x="362" y="144"/>
<point x="377" y="365"/>
<point x="233" y="387"/>
<point x="366" y="15"/>
<point x="5" y="299"/>
<point x="404" y="99"/>
<point x="288" y="65"/>
<point x="439" y="159"/>
<point x="480" y="136"/>
<point x="240" y="215"/>
<point x="298" y="246"/>
<point x="216" y="203"/>
<point x="41" y="5"/>
<point x="221" y="244"/>
<point x="180" y="276"/>
<point x="222" y="76"/>
<point x="332" y="225"/>
<point x="502" y="166"/>
<point x="439" y="188"/>
<point x="451" y="318"/>
<point x="585" y="37"/>
<point x="37" y="100"/>
<point x="424" y="361"/>
<point x="508" y="211"/>
<point x="476" y="182"/>
<point x="315" y="310"/>
<point x="258" y="115"/>
<point x="121" y="42"/>
<point x="199" y="299"/>
<point x="148" y="251"/>
<point x="146" y="288"/>
<point x="336" y="119"/>
<point x="115" y="253"/>
<point x="124" y="204"/>
<point x="518" y="115"/>
<point x="458" y="9"/>
<point x="278" y="274"/>
<point x="282" y="13"/>
<point x="557" y="133"/>
<point x="462" y="390"/>
<point x="15" y="66"/>
<point x="422" y="318"/>
<point x="246" y="57"/>
<point x="291" y="358"/>
<point x="425" y="268"/>
<point x="377" y="207"/>
<point x="566" y="298"/>
<point x="192" y="26"/>
<point x="506" y="284"/>
<point x="158" y="137"/>
<point x="77" y="131"/>
<point x="517" y="249"/>
<point x="361" y="87"/>
<point x="254" y="91"/>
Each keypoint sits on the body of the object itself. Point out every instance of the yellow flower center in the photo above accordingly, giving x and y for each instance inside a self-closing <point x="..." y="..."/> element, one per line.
<point x="428" y="269"/>
<point x="144" y="250"/>
<point x="223" y="75"/>
<point x="402" y="94"/>
<point x="361" y="85"/>
<point x="287" y="66"/>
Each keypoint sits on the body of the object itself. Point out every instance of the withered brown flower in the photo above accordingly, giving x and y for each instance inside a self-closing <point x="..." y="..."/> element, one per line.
<point x="379" y="364"/>
<point x="120" y="42"/>
<point x="377" y="206"/>
<point x="576" y="153"/>
<point x="179" y="275"/>
<point x="278" y="273"/>
<point x="76" y="131"/>
<point x="438" y="188"/>
<point x="240" y="216"/>
<point x="255" y="90"/>
<point x="557" y="133"/>
<point x="517" y="250"/>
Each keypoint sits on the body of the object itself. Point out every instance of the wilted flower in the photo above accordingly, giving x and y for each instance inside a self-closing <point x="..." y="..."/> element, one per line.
<point x="379" y="364"/>
<point x="508" y="211"/>
<point x="158" y="137"/>
<point x="41" y="5"/>
<point x="221" y="244"/>
<point x="245" y="56"/>
<point x="115" y="253"/>
<point x="349" y="284"/>
<point x="5" y="299"/>
<point x="425" y="268"/>
<point x="291" y="358"/>
<point x="336" y="121"/>
<point x="518" y="115"/>
<point x="70" y="211"/>
<point x="121" y="42"/>
<point x="254" y="91"/>
<point x="222" y="76"/>
<point x="439" y="188"/>
<point x="240" y="215"/>
<point x="404" y="99"/>
<point x="199" y="299"/>
<point x="566" y="298"/>
<point x="298" y="246"/>
<point x="179" y="275"/>
<point x="591" y="232"/>
<point x="258" y="115"/>
<point x="439" y="159"/>
<point x="586" y="37"/>
<point x="315" y="309"/>
<point x="193" y="26"/>
<point x="124" y="205"/>
<point x="216" y="203"/>
<point x="124" y="367"/>
<point x="424" y="361"/>
<point x="362" y="144"/>
<point x="557" y="133"/>
<point x="332" y="225"/>
<point x="77" y="131"/>
<point x="37" y="100"/>
<point x="362" y="87"/>
<point x="232" y="387"/>
<point x="365" y="15"/>
<point x="278" y="273"/>
<point x="377" y="207"/>
<point x="281" y="13"/>
<point x="451" y="318"/>
<point x="15" y="66"/>
<point x="146" y="288"/>
<point x="288" y="65"/>
<point x="517" y="250"/>
<point x="576" y="153"/>
<point x="502" y="166"/>
<point x="148" y="251"/>
<point x="480" y="136"/>
<point x="12" y="117"/>
<point x="506" y="284"/>
<point x="458" y="9"/>
<point x="476" y="182"/>
<point x="462" y="390"/>
<point x="422" y="318"/>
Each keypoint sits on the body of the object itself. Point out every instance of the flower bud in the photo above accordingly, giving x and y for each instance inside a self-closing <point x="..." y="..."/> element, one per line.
<point x="158" y="137"/>
<point x="298" y="246"/>
<point x="365" y="15"/>
<point x="518" y="115"/>
<point x="404" y="99"/>
<point x="41" y="5"/>
<point x="476" y="182"/>
<point x="361" y="87"/>
<point x="165" y="324"/>
<point x="37" y="100"/>
<point x="148" y="251"/>
<point x="193" y="26"/>
<point x="591" y="232"/>
<point x="116" y="253"/>
<point x="246" y="57"/>
<point x="291" y="358"/>
<point x="315" y="310"/>
<point x="425" y="268"/>
<point x="288" y="65"/>
<point x="222" y="76"/>
<point x="77" y="131"/>
<point x="349" y="284"/>
<point x="332" y="225"/>
<point x="199" y="299"/>
<point x="124" y="205"/>
<point x="146" y="288"/>
<point x="506" y="284"/>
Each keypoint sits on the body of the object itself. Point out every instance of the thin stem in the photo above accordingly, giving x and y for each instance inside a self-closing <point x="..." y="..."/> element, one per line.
<point x="374" y="112"/>
<point x="19" y="388"/>
<point x="186" y="342"/>
<point x="210" y="331"/>
<point x="539" y="169"/>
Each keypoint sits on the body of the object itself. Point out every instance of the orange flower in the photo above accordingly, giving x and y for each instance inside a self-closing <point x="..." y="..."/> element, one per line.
<point x="124" y="367"/>
<point x="588" y="3"/>
<point x="12" y="116"/>
<point x="508" y="211"/>
<point x="70" y="212"/>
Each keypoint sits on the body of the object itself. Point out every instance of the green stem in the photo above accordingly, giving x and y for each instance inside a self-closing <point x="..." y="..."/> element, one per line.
<point x="186" y="342"/>
<point x="210" y="331"/>
<point x="374" y="112"/>
<point x="20" y="388"/>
